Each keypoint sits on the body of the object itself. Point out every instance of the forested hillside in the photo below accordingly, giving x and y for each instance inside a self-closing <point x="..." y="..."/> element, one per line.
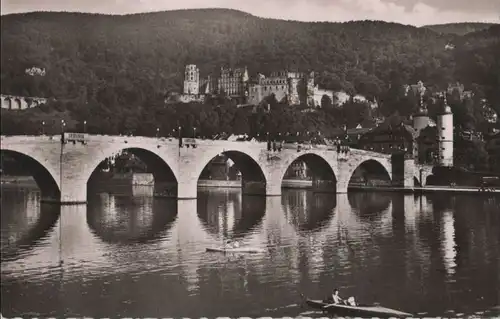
<point x="113" y="71"/>
<point x="148" y="51"/>
<point x="459" y="28"/>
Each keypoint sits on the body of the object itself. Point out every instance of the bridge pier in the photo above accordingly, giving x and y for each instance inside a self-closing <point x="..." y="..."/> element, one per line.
<point x="409" y="173"/>
<point x="187" y="189"/>
<point x="73" y="193"/>
<point x="273" y="188"/>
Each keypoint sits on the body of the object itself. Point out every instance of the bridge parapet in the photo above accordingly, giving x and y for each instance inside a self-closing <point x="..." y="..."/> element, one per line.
<point x="29" y="138"/>
<point x="366" y="153"/>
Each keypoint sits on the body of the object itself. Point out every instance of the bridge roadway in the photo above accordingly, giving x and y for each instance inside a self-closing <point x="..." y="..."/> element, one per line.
<point x="62" y="168"/>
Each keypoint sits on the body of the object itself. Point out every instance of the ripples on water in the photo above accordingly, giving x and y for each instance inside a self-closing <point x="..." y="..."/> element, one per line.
<point x="127" y="254"/>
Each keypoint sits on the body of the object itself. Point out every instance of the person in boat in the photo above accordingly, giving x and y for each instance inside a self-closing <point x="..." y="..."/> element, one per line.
<point x="232" y="244"/>
<point x="351" y="301"/>
<point x="335" y="299"/>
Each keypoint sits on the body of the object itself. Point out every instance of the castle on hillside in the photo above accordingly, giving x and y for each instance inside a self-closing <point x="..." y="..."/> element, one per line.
<point x="11" y="102"/>
<point x="294" y="88"/>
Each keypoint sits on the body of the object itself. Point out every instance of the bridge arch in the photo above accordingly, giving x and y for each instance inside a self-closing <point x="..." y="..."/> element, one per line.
<point x="6" y="102"/>
<point x="317" y="169"/>
<point x="253" y="175"/>
<point x="370" y="172"/>
<point x="45" y="176"/>
<point x="163" y="168"/>
<point x="16" y="104"/>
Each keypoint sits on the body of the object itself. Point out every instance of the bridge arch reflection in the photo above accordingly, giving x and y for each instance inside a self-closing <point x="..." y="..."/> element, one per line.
<point x="230" y="214"/>
<point x="25" y="223"/>
<point x="369" y="205"/>
<point x="125" y="219"/>
<point x="308" y="211"/>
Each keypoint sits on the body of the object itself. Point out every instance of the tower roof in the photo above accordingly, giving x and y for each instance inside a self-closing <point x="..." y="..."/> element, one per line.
<point x="422" y="110"/>
<point x="446" y="109"/>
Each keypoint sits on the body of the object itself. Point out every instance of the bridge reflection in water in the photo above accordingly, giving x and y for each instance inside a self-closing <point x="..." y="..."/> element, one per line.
<point x="134" y="255"/>
<point x="25" y="222"/>
<point x="125" y="219"/>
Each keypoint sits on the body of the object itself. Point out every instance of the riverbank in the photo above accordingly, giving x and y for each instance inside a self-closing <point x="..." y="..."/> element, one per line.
<point x="18" y="180"/>
<point x="28" y="180"/>
<point x="290" y="183"/>
<point x="427" y="189"/>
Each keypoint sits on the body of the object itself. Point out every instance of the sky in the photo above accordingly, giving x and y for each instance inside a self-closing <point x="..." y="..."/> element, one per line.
<point x="414" y="12"/>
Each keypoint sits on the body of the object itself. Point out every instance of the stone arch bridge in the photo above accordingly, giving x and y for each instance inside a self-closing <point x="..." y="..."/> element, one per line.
<point x="62" y="168"/>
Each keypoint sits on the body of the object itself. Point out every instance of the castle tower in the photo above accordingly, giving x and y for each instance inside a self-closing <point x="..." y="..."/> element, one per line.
<point x="192" y="80"/>
<point x="293" y="90"/>
<point x="245" y="77"/>
<point x="421" y="118"/>
<point x="445" y="135"/>
<point x="310" y="90"/>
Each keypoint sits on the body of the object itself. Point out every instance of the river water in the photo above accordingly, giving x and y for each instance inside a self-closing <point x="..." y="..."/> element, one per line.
<point x="129" y="254"/>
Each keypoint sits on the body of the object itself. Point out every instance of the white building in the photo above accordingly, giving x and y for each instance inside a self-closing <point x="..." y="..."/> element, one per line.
<point x="445" y="135"/>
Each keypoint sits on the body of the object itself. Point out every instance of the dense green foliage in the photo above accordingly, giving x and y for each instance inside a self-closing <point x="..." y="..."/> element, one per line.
<point x="113" y="71"/>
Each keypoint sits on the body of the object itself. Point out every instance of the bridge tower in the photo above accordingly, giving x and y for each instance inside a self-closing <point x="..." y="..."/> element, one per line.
<point x="445" y="135"/>
<point x="192" y="80"/>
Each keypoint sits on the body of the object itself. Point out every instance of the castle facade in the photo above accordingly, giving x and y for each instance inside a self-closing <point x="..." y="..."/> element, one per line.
<point x="294" y="88"/>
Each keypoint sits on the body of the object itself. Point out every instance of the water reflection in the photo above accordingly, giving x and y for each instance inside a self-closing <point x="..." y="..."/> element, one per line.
<point x="308" y="211"/>
<point x="373" y="213"/>
<point x="25" y="222"/>
<point x="130" y="219"/>
<point x="433" y="255"/>
<point x="367" y="205"/>
<point x="229" y="214"/>
<point x="448" y="242"/>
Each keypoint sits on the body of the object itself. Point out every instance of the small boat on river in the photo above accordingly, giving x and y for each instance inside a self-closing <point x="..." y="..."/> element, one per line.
<point x="245" y="250"/>
<point x="364" y="311"/>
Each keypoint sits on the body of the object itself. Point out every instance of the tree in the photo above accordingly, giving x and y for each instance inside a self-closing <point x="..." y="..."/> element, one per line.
<point x="326" y="102"/>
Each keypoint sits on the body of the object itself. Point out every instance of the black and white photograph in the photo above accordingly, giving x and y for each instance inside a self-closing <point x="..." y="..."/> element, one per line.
<point x="250" y="159"/>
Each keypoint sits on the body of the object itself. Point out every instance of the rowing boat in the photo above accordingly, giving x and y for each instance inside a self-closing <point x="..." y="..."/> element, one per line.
<point x="246" y="250"/>
<point x="363" y="311"/>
